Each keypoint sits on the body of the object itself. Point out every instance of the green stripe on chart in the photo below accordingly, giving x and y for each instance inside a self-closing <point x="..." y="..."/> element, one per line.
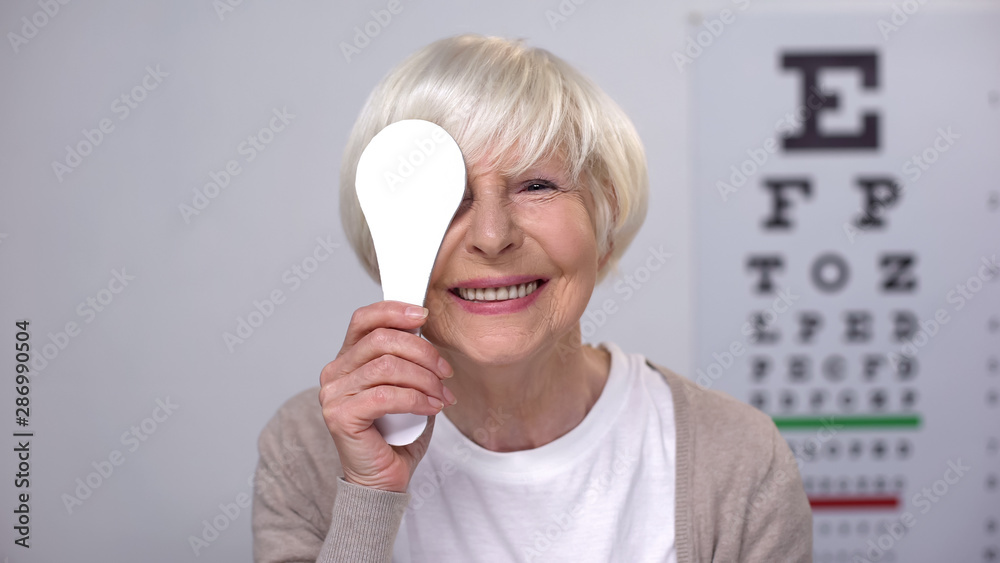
<point x="846" y="422"/>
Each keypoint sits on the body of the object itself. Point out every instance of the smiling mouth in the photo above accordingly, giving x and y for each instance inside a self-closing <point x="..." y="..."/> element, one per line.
<point x="483" y="295"/>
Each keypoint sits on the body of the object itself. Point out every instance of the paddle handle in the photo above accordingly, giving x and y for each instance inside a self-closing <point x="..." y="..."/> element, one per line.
<point x="401" y="429"/>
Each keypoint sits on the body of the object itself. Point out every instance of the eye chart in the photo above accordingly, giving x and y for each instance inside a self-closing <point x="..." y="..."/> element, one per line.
<point x="847" y="179"/>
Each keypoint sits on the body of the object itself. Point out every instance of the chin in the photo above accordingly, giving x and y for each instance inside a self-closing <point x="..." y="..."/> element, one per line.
<point x="497" y="347"/>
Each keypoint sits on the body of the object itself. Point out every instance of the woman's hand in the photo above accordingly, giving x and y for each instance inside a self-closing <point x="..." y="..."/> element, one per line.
<point x="382" y="369"/>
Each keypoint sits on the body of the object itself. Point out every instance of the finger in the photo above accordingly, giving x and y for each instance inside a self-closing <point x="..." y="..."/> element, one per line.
<point x="374" y="403"/>
<point x="391" y="314"/>
<point x="404" y="345"/>
<point x="392" y="370"/>
<point x="386" y="370"/>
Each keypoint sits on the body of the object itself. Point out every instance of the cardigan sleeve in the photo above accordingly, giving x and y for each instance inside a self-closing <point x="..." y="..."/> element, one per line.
<point x="365" y="524"/>
<point x="303" y="509"/>
<point x="778" y="518"/>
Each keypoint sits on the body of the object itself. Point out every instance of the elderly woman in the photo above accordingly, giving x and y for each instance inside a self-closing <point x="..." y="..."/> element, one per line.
<point x="539" y="447"/>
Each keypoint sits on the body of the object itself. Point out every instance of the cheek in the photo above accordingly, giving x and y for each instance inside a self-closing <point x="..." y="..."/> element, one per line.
<point x="440" y="321"/>
<point x="566" y="236"/>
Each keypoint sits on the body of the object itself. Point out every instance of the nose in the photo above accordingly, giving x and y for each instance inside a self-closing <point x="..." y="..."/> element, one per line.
<point x="492" y="228"/>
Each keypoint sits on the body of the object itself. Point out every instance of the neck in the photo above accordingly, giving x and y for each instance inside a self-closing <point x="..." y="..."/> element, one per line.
<point x="529" y="403"/>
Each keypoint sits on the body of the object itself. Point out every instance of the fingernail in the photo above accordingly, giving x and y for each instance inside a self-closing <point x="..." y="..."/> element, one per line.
<point x="415" y="312"/>
<point x="444" y="368"/>
<point x="450" y="396"/>
<point x="435" y="402"/>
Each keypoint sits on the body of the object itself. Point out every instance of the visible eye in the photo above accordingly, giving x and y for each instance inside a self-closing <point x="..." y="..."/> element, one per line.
<point x="538" y="185"/>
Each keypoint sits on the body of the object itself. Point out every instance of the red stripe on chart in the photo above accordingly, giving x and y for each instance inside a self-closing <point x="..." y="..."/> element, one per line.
<point x="825" y="503"/>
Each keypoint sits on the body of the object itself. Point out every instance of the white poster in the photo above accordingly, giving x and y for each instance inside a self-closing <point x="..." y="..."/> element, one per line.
<point x="847" y="241"/>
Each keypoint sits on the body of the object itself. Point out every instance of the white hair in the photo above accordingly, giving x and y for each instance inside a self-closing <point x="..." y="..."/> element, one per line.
<point x="494" y="92"/>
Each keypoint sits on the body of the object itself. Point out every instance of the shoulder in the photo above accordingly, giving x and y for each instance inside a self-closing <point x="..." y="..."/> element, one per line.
<point x="300" y="411"/>
<point x="297" y="430"/>
<point x="728" y="452"/>
<point x="298" y="455"/>
<point x="718" y="421"/>
<point x="739" y="491"/>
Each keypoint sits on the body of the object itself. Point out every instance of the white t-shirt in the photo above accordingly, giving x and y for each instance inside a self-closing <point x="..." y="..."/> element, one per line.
<point x="604" y="491"/>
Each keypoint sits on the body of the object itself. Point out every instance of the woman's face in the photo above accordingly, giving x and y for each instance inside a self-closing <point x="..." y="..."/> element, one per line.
<point x="536" y="226"/>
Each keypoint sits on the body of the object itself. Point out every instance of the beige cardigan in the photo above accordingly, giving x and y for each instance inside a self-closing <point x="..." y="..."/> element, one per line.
<point x="739" y="496"/>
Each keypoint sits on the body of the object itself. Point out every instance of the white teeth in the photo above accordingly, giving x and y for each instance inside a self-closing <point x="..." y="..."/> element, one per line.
<point x="498" y="293"/>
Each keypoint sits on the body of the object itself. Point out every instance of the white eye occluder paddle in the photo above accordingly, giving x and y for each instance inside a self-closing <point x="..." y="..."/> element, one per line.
<point x="410" y="181"/>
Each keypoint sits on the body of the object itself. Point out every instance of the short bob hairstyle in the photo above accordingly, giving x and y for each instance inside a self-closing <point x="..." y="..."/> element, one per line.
<point x="490" y="92"/>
